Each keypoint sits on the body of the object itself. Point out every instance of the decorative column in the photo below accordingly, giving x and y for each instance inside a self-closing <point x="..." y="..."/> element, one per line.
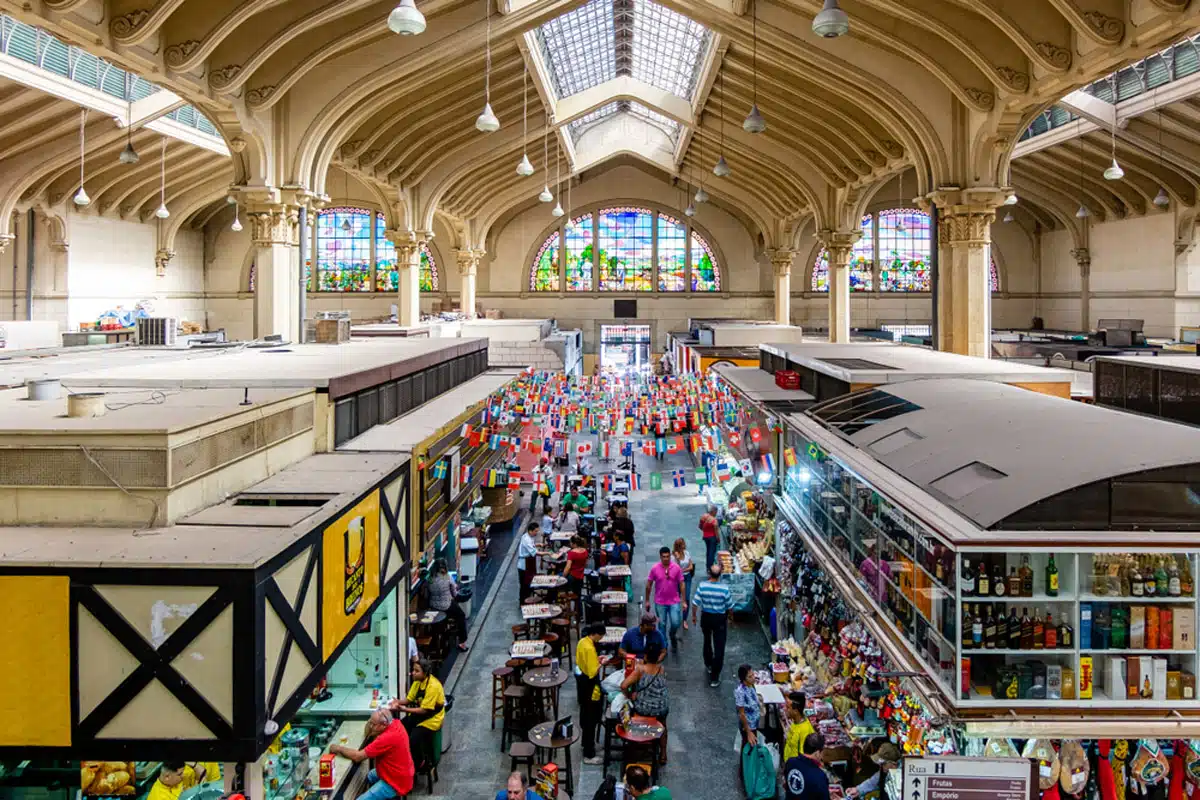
<point x="408" y="264"/>
<point x="468" y="269"/>
<point x="781" y="260"/>
<point x="1083" y="257"/>
<point x="273" y="230"/>
<point x="965" y="219"/>
<point x="839" y="245"/>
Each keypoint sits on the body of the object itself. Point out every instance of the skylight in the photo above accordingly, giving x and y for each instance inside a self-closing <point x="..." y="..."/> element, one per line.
<point x="577" y="127"/>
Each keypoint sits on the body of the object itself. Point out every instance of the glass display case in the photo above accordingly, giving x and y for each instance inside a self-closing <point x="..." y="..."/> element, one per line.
<point x="1107" y="624"/>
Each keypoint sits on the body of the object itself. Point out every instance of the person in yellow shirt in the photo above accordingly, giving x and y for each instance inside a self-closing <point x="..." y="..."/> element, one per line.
<point x="800" y="728"/>
<point x="175" y="777"/>
<point x="587" y="685"/>
<point x="426" y="708"/>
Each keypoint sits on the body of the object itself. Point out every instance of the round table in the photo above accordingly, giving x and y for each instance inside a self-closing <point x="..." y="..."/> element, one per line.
<point x="545" y="682"/>
<point x="427" y="618"/>
<point x="611" y="598"/>
<point x="643" y="735"/>
<point x="540" y="737"/>
<point x="535" y="619"/>
<point x="554" y="583"/>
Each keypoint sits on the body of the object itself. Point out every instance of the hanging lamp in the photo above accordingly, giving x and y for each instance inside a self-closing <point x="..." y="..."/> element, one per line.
<point x="487" y="121"/>
<point x="1083" y="212"/>
<point x="81" y="198"/>
<point x="831" y="22"/>
<point x="1114" y="171"/>
<point x="701" y="195"/>
<point x="161" y="212"/>
<point x="346" y="226"/>
<point x="545" y="196"/>
<point x="237" y="222"/>
<point x="1011" y="200"/>
<point x="524" y="168"/>
<point x="558" y="209"/>
<point x="1162" y="199"/>
<point x="129" y="155"/>
<point x="691" y="206"/>
<point x="754" y="122"/>
<point x="406" y="19"/>
<point x="721" y="169"/>
<point x="1008" y="218"/>
<point x="900" y="224"/>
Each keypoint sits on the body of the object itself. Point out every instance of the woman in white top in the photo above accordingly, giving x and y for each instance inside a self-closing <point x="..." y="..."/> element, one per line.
<point x="568" y="520"/>
<point x="527" y="558"/>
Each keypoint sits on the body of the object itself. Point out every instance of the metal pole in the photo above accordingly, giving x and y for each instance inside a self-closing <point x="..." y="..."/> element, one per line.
<point x="29" y="242"/>
<point x="934" y="274"/>
<point x="302" y="229"/>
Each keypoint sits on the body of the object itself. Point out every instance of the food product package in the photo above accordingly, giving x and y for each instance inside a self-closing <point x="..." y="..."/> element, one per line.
<point x="1048" y="764"/>
<point x="1073" y="775"/>
<point x="1004" y="748"/>
<point x="1149" y="765"/>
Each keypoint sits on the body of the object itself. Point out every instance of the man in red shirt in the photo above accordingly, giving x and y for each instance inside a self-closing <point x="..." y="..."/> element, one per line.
<point x="708" y="527"/>
<point x="394" y="770"/>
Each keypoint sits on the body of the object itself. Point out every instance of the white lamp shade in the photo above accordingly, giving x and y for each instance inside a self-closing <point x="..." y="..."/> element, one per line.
<point x="1162" y="199"/>
<point x="722" y="169"/>
<point x="545" y="196"/>
<point x="487" y="121"/>
<point x="1011" y="200"/>
<point x="1114" y="172"/>
<point x="701" y="195"/>
<point x="690" y="210"/>
<point x="236" y="226"/>
<point x="129" y="155"/>
<point x="1082" y="213"/>
<point x="161" y="212"/>
<point x="406" y="19"/>
<point x="831" y="22"/>
<point x="754" y="122"/>
<point x="558" y="210"/>
<point x="524" y="169"/>
<point x="1008" y="218"/>
<point x="81" y="198"/>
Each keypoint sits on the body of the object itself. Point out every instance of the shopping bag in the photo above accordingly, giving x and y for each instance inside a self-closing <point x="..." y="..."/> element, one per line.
<point x="758" y="773"/>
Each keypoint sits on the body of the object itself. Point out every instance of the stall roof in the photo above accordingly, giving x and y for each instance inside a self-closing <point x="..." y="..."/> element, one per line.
<point x="758" y="385"/>
<point x="890" y="363"/>
<point x="61" y="362"/>
<point x="989" y="450"/>
<point x="405" y="433"/>
<point x="1183" y="363"/>
<point x="223" y="541"/>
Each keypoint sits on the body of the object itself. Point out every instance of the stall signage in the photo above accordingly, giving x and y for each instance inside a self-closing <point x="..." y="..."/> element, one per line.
<point x="349" y="571"/>
<point x="958" y="778"/>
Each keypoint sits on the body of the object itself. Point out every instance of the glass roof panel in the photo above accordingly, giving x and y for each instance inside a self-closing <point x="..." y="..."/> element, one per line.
<point x="580" y="48"/>
<point x="668" y="48"/>
<point x="667" y="125"/>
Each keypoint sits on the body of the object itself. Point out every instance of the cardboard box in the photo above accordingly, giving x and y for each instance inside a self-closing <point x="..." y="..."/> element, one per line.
<point x="1085" y="626"/>
<point x="1166" y="633"/>
<point x="1054" y="679"/>
<point x="1159" y="683"/>
<point x="1189" y="685"/>
<point x="1184" y="629"/>
<point x="1137" y="628"/>
<point x="1145" y="689"/>
<point x="1068" y="683"/>
<point x="1114" y="677"/>
<point x="1174" y="685"/>
<point x="1152" y="627"/>
<point x="1086" y="678"/>
<point x="1133" y="678"/>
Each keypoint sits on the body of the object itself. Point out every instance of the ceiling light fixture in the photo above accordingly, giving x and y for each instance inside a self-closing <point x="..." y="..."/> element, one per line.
<point x="1008" y="218"/>
<point x="346" y="226"/>
<point x="701" y="195"/>
<point x="900" y="223"/>
<point x="236" y="227"/>
<point x="721" y="169"/>
<point x="831" y="22"/>
<point x="487" y="121"/>
<point x="81" y="198"/>
<point x="161" y="212"/>
<point x="129" y="155"/>
<point x="754" y="122"/>
<point x="558" y="209"/>
<point x="1083" y="212"/>
<point x="1114" y="172"/>
<point x="691" y="207"/>
<point x="545" y="196"/>
<point x="525" y="169"/>
<point x="1162" y="199"/>
<point x="406" y="19"/>
<point x="1011" y="200"/>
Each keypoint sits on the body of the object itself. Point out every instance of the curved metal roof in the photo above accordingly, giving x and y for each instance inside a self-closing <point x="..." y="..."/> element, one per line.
<point x="989" y="450"/>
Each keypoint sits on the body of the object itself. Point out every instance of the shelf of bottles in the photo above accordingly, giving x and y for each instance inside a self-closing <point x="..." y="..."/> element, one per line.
<point x="994" y="627"/>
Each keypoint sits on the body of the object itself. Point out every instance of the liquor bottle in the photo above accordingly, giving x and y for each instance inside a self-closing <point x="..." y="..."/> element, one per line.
<point x="1039" y="632"/>
<point x="1026" y="630"/>
<point x="1136" y="586"/>
<point x="1014" y="582"/>
<point x="977" y="629"/>
<point x="968" y="579"/>
<point x="983" y="585"/>
<point x="989" y="630"/>
<point x="1066" y="634"/>
<point x="1173" y="582"/>
<point x="1014" y="629"/>
<point x="1051" y="632"/>
<point x="1162" y="584"/>
<point x="1026" y="577"/>
<point x="1149" y="584"/>
<point x="1051" y="578"/>
<point x="1001" y="628"/>
<point x="998" y="581"/>
<point x="968" y="638"/>
<point x="1186" y="584"/>
<point x="937" y="564"/>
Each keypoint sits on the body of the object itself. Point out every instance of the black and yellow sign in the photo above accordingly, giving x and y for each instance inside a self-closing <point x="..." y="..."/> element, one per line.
<point x="350" y="574"/>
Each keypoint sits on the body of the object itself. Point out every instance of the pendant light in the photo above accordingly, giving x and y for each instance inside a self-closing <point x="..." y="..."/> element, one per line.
<point x="701" y="195"/>
<point x="525" y="169"/>
<point x="1083" y="212"/>
<point x="1114" y="171"/>
<point x="1008" y="218"/>
<point x="81" y="198"/>
<point x="236" y="227"/>
<point x="1011" y="200"/>
<point x="346" y="226"/>
<point x="487" y="121"/>
<point x="691" y="207"/>
<point x="545" y="196"/>
<point x="722" y="170"/>
<point x="558" y="209"/>
<point x="900" y="224"/>
<point x="1162" y="199"/>
<point x="406" y="19"/>
<point x="831" y="22"/>
<point x="161" y="212"/>
<point x="754" y="122"/>
<point x="129" y="155"/>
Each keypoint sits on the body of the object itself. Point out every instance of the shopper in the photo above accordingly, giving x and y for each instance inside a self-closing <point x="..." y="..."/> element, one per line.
<point x="587" y="688"/>
<point x="666" y="581"/>
<point x="714" y="601"/>
<point x="624" y="525"/>
<point x="517" y="788"/>
<point x="547" y="524"/>
<point x="576" y="565"/>
<point x="636" y="640"/>
<point x="527" y="558"/>
<point x="442" y="592"/>
<point x="647" y="687"/>
<point x="710" y="529"/>
<point x="887" y="757"/>
<point x="175" y="777"/>
<point x="749" y="709"/>
<point x="546" y="472"/>
<point x="637" y="784"/>
<point x="568" y="519"/>
<point x="426" y="710"/>
<point x="801" y="728"/>
<point x="804" y="776"/>
<point x="681" y="556"/>
<point x="394" y="768"/>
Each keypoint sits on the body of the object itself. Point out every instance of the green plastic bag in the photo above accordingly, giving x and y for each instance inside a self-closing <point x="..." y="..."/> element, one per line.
<point x="758" y="772"/>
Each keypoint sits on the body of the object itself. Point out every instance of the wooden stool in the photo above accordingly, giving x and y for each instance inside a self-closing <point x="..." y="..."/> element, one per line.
<point x="538" y="663"/>
<point x="562" y="628"/>
<point x="501" y="678"/>
<point x="520" y="631"/>
<point x="554" y="641"/>
<point x="515" y="713"/>
<point x="522" y="753"/>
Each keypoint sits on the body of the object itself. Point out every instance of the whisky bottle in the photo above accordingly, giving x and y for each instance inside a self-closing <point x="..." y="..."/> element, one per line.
<point x="1026" y="577"/>
<point x="1014" y="629"/>
<point x="989" y="630"/>
<point x="998" y="584"/>
<point x="1014" y="582"/>
<point x="977" y="629"/>
<point x="968" y="579"/>
<point x="1039" y="633"/>
<point x="1001" y="628"/>
<point x="1026" y="630"/>
<point x="968" y="640"/>
<point x="1051" y="578"/>
<point x="1051" y="632"/>
<point x="983" y="585"/>
<point x="1066" y="634"/>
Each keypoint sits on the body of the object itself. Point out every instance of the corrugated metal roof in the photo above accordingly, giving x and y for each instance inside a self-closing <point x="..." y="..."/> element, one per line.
<point x="1042" y="445"/>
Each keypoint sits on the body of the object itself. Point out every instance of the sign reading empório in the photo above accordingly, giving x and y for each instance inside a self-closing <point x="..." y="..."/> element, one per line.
<point x="960" y="778"/>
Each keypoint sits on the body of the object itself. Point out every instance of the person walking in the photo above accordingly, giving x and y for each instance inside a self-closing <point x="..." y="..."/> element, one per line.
<point x="442" y="592"/>
<point x="666" y="580"/>
<point x="710" y="529"/>
<point x="587" y="687"/>
<point x="681" y="556"/>
<point x="527" y="558"/>
<point x="714" y="601"/>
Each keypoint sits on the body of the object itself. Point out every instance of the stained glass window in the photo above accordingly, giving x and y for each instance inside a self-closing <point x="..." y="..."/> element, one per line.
<point x="387" y="275"/>
<point x="904" y="250"/>
<point x="544" y="275"/>
<point x="429" y="270"/>
<point x="672" y="249"/>
<point x="862" y="259"/>
<point x="344" y="250"/>
<point x="579" y="252"/>
<point x="625" y="243"/>
<point x="705" y="277"/>
<point x="994" y="274"/>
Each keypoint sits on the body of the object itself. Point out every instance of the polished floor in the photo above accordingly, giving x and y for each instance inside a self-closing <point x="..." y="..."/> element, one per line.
<point x="702" y="760"/>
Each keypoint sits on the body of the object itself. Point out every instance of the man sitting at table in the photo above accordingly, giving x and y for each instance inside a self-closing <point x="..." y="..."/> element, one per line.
<point x="426" y="709"/>
<point x="577" y="499"/>
<point x="394" y="771"/>
<point x="637" y="782"/>
<point x="517" y="789"/>
<point x="634" y="642"/>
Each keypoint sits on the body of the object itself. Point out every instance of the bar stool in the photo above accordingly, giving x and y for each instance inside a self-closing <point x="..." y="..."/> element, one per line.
<point x="520" y="631"/>
<point x="522" y="753"/>
<point x="515" y="716"/>
<point x="555" y="643"/>
<point x="561" y="627"/>
<point x="501" y="680"/>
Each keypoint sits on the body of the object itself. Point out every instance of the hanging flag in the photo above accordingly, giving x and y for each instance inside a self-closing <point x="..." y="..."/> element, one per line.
<point x="560" y="483"/>
<point x="606" y="482"/>
<point x="539" y="482"/>
<point x="627" y="448"/>
<point x="746" y="467"/>
<point x="466" y="430"/>
<point x="677" y="478"/>
<point x="466" y="472"/>
<point x="723" y="473"/>
<point x="514" y="480"/>
<point x="494" y="441"/>
<point x="660" y="446"/>
<point x="605" y="449"/>
<point x="655" y="480"/>
<point x="675" y="445"/>
<point x="492" y="478"/>
<point x="583" y="448"/>
<point x="735" y="439"/>
<point x="769" y="463"/>
<point x="439" y="469"/>
<point x="635" y="482"/>
<point x="648" y="447"/>
<point x="701" y="476"/>
<point x="755" y="434"/>
<point x="789" y="457"/>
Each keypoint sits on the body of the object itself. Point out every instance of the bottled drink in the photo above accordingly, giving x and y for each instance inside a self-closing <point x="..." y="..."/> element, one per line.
<point x="1186" y="584"/>
<point x="983" y="584"/>
<point x="1173" y="582"/>
<point x="998" y="581"/>
<point x="968" y="638"/>
<point x="968" y="579"/>
<point x="1051" y="632"/>
<point x="1026" y="630"/>
<point x="1162" y="584"/>
<point x="977" y="629"/>
<point x="1149" y="584"/>
<point x="1136" y="586"/>
<point x="1014" y="582"/>
<point x="1026" y="577"/>
<point x="989" y="630"/>
<point x="1039" y="632"/>
<point x="1066" y="634"/>
<point x="1014" y="629"/>
<point x="1051" y="578"/>
<point x="1001" y="628"/>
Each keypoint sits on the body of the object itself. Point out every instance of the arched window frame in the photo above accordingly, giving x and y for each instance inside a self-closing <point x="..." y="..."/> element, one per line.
<point x="557" y="233"/>
<point x="382" y="260"/>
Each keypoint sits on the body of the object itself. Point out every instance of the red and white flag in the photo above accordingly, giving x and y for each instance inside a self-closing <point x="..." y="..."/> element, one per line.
<point x="583" y="448"/>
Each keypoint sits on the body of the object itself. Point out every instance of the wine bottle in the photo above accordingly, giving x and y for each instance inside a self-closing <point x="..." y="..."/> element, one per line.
<point x="1051" y="578"/>
<point x="1162" y="584"/>
<point x="1001" y="628"/>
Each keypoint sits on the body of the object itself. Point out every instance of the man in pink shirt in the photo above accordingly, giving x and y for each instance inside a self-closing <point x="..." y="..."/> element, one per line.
<point x="666" y="578"/>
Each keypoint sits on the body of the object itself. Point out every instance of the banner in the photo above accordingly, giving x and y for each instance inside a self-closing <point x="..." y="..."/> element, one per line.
<point x="349" y="570"/>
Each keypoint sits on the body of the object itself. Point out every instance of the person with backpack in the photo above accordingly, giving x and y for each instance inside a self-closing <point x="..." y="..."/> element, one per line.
<point x="804" y="776"/>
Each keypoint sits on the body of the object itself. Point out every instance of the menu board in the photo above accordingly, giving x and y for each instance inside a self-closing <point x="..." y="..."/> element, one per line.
<point x="959" y="778"/>
<point x="741" y="587"/>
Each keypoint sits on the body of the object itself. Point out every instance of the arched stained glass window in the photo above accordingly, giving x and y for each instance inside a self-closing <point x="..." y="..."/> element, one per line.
<point x="625" y="241"/>
<point x="705" y="277"/>
<point x="579" y="253"/>
<point x="544" y="275"/>
<point x="672" y="254"/>
<point x="994" y="274"/>
<point x="429" y="270"/>
<point x="387" y="274"/>
<point x="862" y="262"/>
<point x="344" y="250"/>
<point x="904" y="250"/>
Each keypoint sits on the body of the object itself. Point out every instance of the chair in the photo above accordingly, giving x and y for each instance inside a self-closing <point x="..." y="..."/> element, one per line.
<point x="501" y="679"/>
<point x="522" y="753"/>
<point x="561" y="628"/>
<point x="520" y="632"/>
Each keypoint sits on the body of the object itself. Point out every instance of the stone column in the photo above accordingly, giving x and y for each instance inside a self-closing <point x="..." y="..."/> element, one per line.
<point x="781" y="260"/>
<point x="965" y="219"/>
<point x="468" y="269"/>
<point x="1083" y="257"/>
<point x="273" y="230"/>
<point x="408" y="264"/>
<point x="839" y="245"/>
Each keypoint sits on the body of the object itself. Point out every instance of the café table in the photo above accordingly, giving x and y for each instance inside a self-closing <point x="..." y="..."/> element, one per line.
<point x="536" y="613"/>
<point x="612" y="597"/>
<point x="428" y="623"/>
<point x="541" y="736"/>
<point x="643" y="735"/>
<point x="545" y="683"/>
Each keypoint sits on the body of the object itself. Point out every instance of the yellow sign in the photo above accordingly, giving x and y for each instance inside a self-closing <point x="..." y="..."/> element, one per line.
<point x="350" y="572"/>
<point x="35" y="630"/>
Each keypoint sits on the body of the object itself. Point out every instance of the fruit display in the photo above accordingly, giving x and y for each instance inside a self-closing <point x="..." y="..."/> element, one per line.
<point x="752" y="553"/>
<point x="107" y="778"/>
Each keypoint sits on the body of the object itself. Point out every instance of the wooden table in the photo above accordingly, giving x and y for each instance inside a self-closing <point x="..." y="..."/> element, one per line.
<point x="615" y="571"/>
<point x="529" y="652"/>
<point x="611" y="598"/>
<point x="536" y="613"/>
<point x="545" y="680"/>
<point x="643" y="733"/>
<point x="427" y="618"/>
<point x="540" y="737"/>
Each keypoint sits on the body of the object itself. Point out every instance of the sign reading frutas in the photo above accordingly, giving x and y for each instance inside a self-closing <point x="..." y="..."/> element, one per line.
<point x="959" y="778"/>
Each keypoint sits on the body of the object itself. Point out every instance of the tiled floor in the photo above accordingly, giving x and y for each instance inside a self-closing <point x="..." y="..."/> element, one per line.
<point x="702" y="764"/>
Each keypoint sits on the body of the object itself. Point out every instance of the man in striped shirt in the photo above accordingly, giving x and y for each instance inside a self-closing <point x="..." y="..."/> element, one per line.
<point x="714" y="602"/>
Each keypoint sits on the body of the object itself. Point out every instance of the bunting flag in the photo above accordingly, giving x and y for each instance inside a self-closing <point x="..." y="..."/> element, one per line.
<point x="648" y="447"/>
<point x="660" y="446"/>
<point x="627" y="448"/>
<point x="560" y="483"/>
<point x="635" y="482"/>
<point x="494" y="441"/>
<point x="492" y="478"/>
<point x="538" y="482"/>
<point x="694" y="442"/>
<point x="583" y="448"/>
<point x="475" y="438"/>
<point x="789" y="457"/>
<point x="746" y="467"/>
<point x="514" y="480"/>
<point x="723" y="473"/>
<point x="735" y="439"/>
<point x="675" y="445"/>
<point x="677" y="478"/>
<point x="439" y="469"/>
<point x="466" y="430"/>
<point x="769" y="463"/>
<point x="755" y="435"/>
<point x="466" y="472"/>
<point x="655" y="480"/>
<point x="606" y="483"/>
<point x="701" y="476"/>
<point x="605" y="449"/>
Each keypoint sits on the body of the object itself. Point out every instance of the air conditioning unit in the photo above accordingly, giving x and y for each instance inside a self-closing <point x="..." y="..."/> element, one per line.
<point x="156" y="331"/>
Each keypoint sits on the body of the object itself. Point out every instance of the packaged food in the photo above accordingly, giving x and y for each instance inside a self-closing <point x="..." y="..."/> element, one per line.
<point x="1048" y="765"/>
<point x="1004" y="748"/>
<point x="1073" y="773"/>
<point x="1191" y="760"/>
<point x="1085" y="677"/>
<point x="1149" y="765"/>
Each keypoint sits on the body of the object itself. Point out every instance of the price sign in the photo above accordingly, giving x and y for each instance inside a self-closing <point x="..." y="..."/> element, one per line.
<point x="959" y="778"/>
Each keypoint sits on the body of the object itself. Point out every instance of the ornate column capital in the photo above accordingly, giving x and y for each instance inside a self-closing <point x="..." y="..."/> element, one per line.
<point x="408" y="245"/>
<point x="1083" y="257"/>
<point x="273" y="224"/>
<point x="781" y="260"/>
<point x="468" y="261"/>
<point x="839" y="244"/>
<point x="966" y="215"/>
<point x="5" y="240"/>
<point x="161" y="259"/>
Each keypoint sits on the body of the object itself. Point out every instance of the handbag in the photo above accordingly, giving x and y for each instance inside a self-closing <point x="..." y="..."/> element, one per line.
<point x="758" y="773"/>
